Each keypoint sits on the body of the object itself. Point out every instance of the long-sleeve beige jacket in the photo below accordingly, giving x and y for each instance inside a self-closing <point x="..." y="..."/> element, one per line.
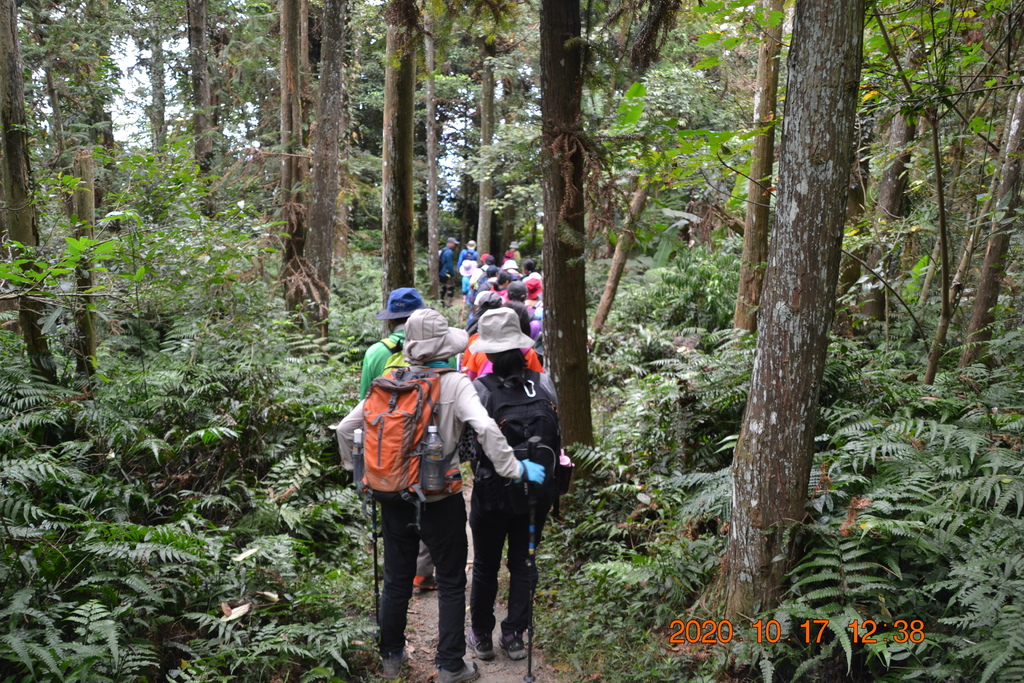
<point x="458" y="406"/>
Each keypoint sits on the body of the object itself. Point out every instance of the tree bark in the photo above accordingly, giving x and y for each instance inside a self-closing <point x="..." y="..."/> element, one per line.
<point x="56" y="118"/>
<point x="775" y="450"/>
<point x="398" y="223"/>
<point x="979" y="330"/>
<point x="945" y="310"/>
<point x="199" y="51"/>
<point x="485" y="222"/>
<point x="624" y="245"/>
<point x="325" y="186"/>
<point x="563" y="159"/>
<point x="300" y="285"/>
<point x="85" y="218"/>
<point x="755" y="232"/>
<point x="433" y="201"/>
<point x="157" y="81"/>
<point x="889" y="206"/>
<point x="17" y="180"/>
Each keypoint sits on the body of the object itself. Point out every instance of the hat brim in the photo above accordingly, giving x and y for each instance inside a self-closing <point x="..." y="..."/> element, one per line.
<point x="522" y="341"/>
<point x="394" y="315"/>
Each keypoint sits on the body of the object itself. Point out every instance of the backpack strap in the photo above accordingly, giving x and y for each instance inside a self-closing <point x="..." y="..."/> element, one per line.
<point x="393" y="346"/>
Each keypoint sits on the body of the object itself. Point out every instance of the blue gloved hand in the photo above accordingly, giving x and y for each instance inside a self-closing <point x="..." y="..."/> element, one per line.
<point x="531" y="471"/>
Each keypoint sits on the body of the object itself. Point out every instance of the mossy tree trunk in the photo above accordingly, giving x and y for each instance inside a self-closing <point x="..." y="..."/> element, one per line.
<point x="398" y="222"/>
<point x="563" y="162"/>
<point x="325" y="187"/>
<point x="755" y="232"/>
<point x="17" y="181"/>
<point x="775" y="450"/>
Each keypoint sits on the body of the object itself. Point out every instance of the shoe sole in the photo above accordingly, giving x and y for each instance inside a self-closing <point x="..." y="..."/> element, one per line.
<point x="517" y="655"/>
<point x="482" y="656"/>
<point x="476" y="675"/>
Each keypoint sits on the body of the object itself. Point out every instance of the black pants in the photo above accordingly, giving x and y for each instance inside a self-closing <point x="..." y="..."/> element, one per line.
<point x="447" y="288"/>
<point x="443" y="529"/>
<point x="490" y="529"/>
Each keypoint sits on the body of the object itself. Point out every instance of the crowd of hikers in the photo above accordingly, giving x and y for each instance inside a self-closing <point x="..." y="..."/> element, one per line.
<point x="433" y="396"/>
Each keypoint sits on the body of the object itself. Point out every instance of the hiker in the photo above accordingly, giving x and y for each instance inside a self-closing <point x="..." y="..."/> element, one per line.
<point x="534" y="292"/>
<point x="469" y="253"/>
<point x="513" y="252"/>
<point x="485" y="301"/>
<point x="446" y="271"/>
<point x="466" y="270"/>
<point x="477" y="364"/>
<point x="382" y="357"/>
<point x="500" y="283"/>
<point x="511" y="393"/>
<point x="512" y="268"/>
<point x="441" y="520"/>
<point x="530" y="270"/>
<point x="402" y="302"/>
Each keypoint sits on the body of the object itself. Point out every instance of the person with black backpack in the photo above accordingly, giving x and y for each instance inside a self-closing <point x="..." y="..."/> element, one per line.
<point x="417" y="510"/>
<point x="523" y="404"/>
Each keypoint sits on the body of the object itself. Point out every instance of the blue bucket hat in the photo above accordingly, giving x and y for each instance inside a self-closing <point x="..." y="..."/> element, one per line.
<point x="401" y="303"/>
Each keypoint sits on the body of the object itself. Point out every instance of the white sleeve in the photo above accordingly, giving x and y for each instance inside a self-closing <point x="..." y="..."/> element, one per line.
<point x="345" y="430"/>
<point x="470" y="410"/>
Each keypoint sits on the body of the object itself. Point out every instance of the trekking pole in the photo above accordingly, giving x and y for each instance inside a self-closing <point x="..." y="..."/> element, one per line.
<point x="376" y="570"/>
<point x="531" y="560"/>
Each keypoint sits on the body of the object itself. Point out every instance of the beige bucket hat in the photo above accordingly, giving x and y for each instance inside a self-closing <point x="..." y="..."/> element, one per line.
<point x="499" y="331"/>
<point x="428" y="337"/>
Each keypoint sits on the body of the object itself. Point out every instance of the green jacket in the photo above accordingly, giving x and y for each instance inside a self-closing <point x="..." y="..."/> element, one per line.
<point x="376" y="358"/>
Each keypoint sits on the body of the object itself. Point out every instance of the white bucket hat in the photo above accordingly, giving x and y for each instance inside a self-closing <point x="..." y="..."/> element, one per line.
<point x="500" y="331"/>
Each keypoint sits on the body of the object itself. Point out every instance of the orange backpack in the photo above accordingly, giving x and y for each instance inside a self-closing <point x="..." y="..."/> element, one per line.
<point x="398" y="409"/>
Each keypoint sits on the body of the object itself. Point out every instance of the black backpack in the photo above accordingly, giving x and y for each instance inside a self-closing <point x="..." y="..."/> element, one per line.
<point x="522" y="410"/>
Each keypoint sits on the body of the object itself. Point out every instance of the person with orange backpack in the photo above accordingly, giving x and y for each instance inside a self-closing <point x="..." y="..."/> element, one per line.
<point x="383" y="357"/>
<point x="409" y="415"/>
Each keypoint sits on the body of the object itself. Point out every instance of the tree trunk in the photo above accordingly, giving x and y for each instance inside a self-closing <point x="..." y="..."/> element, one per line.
<point x="56" y="118"/>
<point x="755" y="232"/>
<point x="300" y="281"/>
<point x="85" y="219"/>
<point x="199" y="51"/>
<point x="979" y="330"/>
<point x="324" y="188"/>
<point x="945" y="310"/>
<point x="624" y="245"/>
<point x="775" y="450"/>
<point x="349" y="58"/>
<point x="889" y="206"/>
<point x="399" y="250"/>
<point x="484" y="223"/>
<point x="433" y="201"/>
<point x="157" y="80"/>
<point x="17" y="180"/>
<point x="562" y="159"/>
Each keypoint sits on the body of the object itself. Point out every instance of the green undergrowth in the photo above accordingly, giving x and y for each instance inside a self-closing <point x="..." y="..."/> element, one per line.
<point x="914" y="513"/>
<point x="184" y="518"/>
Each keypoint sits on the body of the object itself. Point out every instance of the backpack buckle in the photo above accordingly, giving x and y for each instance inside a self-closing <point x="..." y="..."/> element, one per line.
<point x="529" y="388"/>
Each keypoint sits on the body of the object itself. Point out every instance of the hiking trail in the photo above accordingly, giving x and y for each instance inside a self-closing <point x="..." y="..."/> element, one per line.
<point x="421" y="635"/>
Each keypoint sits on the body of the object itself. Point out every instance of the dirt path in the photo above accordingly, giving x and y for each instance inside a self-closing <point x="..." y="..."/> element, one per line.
<point x="421" y="638"/>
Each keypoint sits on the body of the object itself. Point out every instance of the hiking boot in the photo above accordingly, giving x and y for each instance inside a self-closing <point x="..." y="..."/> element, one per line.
<point x="425" y="583"/>
<point x="512" y="644"/>
<point x="469" y="672"/>
<point x="392" y="665"/>
<point x="481" y="646"/>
